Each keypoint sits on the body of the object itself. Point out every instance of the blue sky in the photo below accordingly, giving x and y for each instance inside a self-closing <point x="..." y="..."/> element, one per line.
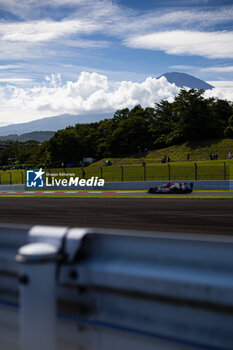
<point x="73" y="56"/>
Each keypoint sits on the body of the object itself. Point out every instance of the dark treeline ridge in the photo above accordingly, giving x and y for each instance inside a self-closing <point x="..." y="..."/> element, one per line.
<point x="189" y="117"/>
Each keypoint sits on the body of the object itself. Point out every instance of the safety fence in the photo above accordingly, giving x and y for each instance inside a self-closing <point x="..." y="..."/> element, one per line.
<point x="12" y="177"/>
<point x="156" y="172"/>
<point x="163" y="172"/>
<point x="72" y="288"/>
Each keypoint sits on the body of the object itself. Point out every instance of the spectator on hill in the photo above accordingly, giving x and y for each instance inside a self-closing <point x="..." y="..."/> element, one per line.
<point x="229" y="155"/>
<point x="168" y="159"/>
<point x="164" y="159"/>
<point x="188" y="156"/>
<point x="212" y="156"/>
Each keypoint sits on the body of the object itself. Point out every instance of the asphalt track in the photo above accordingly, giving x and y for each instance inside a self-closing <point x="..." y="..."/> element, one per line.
<point x="210" y="216"/>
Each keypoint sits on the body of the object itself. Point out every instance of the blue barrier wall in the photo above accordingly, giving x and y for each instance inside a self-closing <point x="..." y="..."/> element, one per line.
<point x="129" y="185"/>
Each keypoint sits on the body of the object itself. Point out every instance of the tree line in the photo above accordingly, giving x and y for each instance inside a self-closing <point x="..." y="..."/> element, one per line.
<point x="189" y="117"/>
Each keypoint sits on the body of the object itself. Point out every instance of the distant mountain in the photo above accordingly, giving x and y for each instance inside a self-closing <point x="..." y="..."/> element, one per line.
<point x="39" y="136"/>
<point x="183" y="79"/>
<point x="51" y="123"/>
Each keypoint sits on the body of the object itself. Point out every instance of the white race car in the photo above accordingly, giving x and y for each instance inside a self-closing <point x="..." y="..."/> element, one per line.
<point x="172" y="188"/>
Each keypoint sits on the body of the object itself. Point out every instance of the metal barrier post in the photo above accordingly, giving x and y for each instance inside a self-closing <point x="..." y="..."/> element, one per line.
<point x="169" y="172"/>
<point x="101" y="172"/>
<point x="37" y="296"/>
<point x="10" y="178"/>
<point x="225" y="171"/>
<point x="122" y="173"/>
<point x="83" y="173"/>
<point x="144" y="172"/>
<point x="21" y="177"/>
<point x="195" y="164"/>
<point x="64" y="169"/>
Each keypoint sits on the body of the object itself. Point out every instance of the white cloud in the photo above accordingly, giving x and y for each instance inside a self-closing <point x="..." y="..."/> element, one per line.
<point x="222" y="84"/>
<point x="34" y="9"/>
<point x="19" y="50"/>
<point x="197" y="17"/>
<point x="85" y="17"/>
<point x="114" y="11"/>
<point x="47" y="39"/>
<point x="46" y="30"/>
<point x="127" y="23"/>
<point x="223" y="92"/>
<point x="26" y="8"/>
<point x="183" y="67"/>
<point x="180" y="42"/>
<point x="9" y="66"/>
<point x="226" y="69"/>
<point x="92" y="92"/>
<point x="15" y="80"/>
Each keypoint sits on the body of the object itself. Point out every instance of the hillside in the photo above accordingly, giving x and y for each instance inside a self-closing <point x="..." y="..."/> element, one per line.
<point x="51" y="123"/>
<point x="39" y="136"/>
<point x="198" y="150"/>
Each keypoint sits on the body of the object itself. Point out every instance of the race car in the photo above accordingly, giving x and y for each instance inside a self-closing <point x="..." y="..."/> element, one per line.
<point x="170" y="188"/>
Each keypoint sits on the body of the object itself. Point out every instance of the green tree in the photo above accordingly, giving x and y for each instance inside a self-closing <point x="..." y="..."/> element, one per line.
<point x="228" y="132"/>
<point x="193" y="113"/>
<point x="66" y="146"/>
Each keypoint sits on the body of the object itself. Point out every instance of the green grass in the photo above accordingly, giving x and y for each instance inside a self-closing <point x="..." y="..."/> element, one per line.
<point x="198" y="150"/>
<point x="131" y="169"/>
<point x="201" y="170"/>
<point x="12" y="176"/>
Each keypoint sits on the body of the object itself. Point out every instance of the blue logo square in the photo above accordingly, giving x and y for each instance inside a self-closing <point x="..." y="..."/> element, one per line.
<point x="35" y="178"/>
